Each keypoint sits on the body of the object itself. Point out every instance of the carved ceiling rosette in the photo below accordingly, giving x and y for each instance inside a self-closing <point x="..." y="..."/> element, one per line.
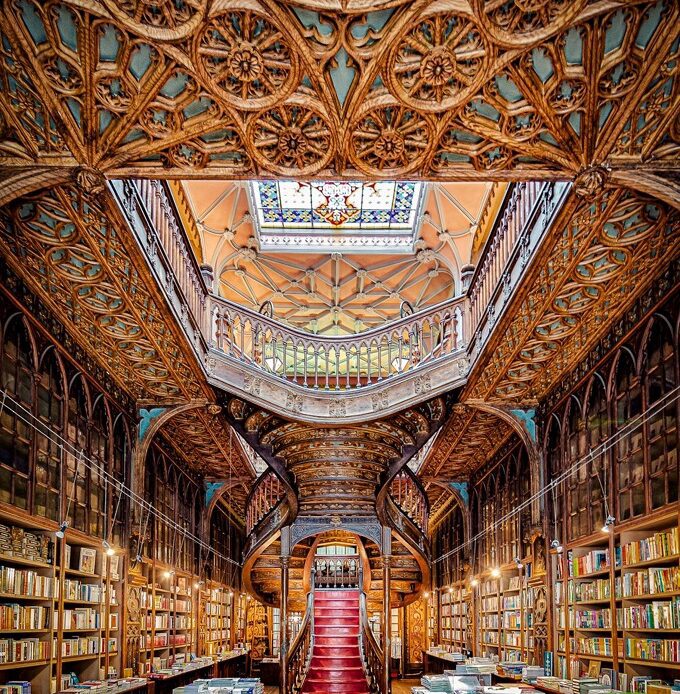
<point x="521" y="23"/>
<point x="438" y="62"/>
<point x="389" y="139"/>
<point x="162" y="20"/>
<point x="247" y="59"/>
<point x="292" y="139"/>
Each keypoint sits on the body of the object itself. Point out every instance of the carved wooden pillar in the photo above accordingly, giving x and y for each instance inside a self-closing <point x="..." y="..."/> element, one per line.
<point x="285" y="562"/>
<point x="387" y="641"/>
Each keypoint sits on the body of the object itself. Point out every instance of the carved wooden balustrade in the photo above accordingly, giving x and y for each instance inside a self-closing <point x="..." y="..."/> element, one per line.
<point x="267" y="493"/>
<point x="173" y="244"/>
<point x="337" y="571"/>
<point x="337" y="362"/>
<point x="527" y="214"/>
<point x="409" y="495"/>
<point x="300" y="653"/>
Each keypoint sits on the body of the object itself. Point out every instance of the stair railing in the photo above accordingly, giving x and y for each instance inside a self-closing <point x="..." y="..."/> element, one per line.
<point x="265" y="495"/>
<point x="300" y="653"/>
<point x="408" y="494"/>
<point x="371" y="652"/>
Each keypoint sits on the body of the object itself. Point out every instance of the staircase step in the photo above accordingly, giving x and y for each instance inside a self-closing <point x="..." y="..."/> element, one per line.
<point x="337" y="664"/>
<point x="336" y="651"/>
<point x="336" y="594"/>
<point x="331" y="641"/>
<point x="328" y="612"/>
<point x="323" y="621"/>
<point x="335" y="687"/>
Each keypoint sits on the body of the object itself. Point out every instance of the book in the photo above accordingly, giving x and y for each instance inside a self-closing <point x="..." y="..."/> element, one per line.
<point x="87" y="560"/>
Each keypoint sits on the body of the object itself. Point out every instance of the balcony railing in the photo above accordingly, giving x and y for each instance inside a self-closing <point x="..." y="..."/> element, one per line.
<point x="527" y="215"/>
<point x="409" y="496"/>
<point x="341" y="571"/>
<point x="338" y="362"/>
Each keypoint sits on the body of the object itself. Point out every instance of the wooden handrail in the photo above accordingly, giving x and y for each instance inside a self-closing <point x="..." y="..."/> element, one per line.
<point x="300" y="654"/>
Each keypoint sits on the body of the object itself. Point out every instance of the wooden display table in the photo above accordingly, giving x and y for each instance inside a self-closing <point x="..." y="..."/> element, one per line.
<point x="436" y="664"/>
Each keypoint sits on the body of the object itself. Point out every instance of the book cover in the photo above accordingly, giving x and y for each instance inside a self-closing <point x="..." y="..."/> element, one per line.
<point x="87" y="560"/>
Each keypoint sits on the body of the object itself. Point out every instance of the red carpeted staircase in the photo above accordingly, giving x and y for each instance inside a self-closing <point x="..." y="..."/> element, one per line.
<point x="336" y="663"/>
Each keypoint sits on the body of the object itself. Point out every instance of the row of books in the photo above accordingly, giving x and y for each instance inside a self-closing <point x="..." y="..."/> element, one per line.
<point x="659" y="614"/>
<point x="593" y="619"/>
<point x="665" y="543"/>
<point x="490" y="604"/>
<point x="490" y="621"/>
<point x="595" y="560"/>
<point x="594" y="646"/>
<point x="599" y="589"/>
<point x="79" y="645"/>
<point x="82" y="618"/>
<point x="512" y="602"/>
<point x="666" y="650"/>
<point x="651" y="581"/>
<point x="15" y="581"/>
<point x="22" y="650"/>
<point x="87" y="592"/>
<point x="16" y="687"/>
<point x="20" y="617"/>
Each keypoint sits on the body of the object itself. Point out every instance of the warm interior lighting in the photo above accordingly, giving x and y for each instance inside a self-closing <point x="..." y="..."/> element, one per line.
<point x="450" y="590"/>
<point x="557" y="546"/>
<point x="496" y="572"/>
<point x="62" y="529"/>
<point x="167" y="574"/>
<point x="107" y="548"/>
<point x="474" y="582"/>
<point x="426" y="594"/>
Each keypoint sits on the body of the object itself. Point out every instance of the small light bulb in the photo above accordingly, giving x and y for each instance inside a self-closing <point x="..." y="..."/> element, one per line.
<point x="495" y="572"/>
<point x="426" y="594"/>
<point x="450" y="590"/>
<point x="474" y="582"/>
<point x="197" y="586"/>
<point x="166" y="574"/>
<point x="62" y="529"/>
<point x="608" y="523"/>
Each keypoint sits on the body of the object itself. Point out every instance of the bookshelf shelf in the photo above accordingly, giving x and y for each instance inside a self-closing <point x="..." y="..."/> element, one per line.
<point x="23" y="664"/>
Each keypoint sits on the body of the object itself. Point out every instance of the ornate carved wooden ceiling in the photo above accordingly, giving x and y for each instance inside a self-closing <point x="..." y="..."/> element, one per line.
<point x="452" y="90"/>
<point x="337" y="293"/>
<point x="338" y="469"/>
<point x="603" y="253"/>
<point x="73" y="250"/>
<point x="448" y="90"/>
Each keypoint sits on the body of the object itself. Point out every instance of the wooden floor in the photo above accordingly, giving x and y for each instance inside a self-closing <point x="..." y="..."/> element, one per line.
<point x="398" y="687"/>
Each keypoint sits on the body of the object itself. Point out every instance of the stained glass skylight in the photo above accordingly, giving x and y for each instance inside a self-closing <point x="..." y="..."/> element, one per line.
<point x="335" y="216"/>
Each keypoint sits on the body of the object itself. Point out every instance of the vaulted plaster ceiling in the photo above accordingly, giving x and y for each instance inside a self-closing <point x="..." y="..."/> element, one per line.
<point x="335" y="293"/>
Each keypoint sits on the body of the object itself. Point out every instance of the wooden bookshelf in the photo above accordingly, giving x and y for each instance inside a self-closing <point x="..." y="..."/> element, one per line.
<point x="624" y="615"/>
<point x="218" y="616"/>
<point x="28" y="586"/>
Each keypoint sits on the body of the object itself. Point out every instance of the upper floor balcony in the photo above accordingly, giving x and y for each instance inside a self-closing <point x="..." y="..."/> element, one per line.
<point x="321" y="376"/>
